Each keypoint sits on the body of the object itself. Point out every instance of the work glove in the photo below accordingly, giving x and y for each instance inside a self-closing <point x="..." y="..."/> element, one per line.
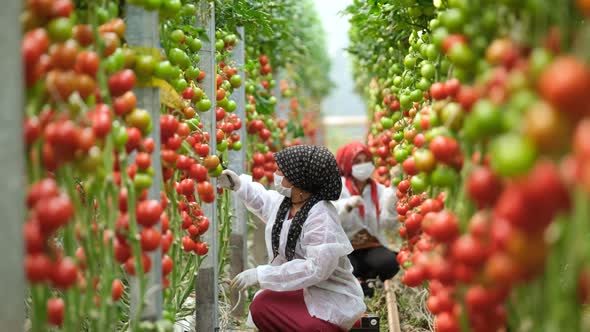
<point x="245" y="280"/>
<point x="353" y="202"/>
<point x="229" y="180"/>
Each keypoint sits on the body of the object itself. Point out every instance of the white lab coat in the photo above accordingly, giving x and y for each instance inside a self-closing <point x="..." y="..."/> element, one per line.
<point x="352" y="222"/>
<point x="320" y="266"/>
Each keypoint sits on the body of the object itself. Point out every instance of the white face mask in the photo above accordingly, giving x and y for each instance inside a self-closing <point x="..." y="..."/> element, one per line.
<point x="279" y="186"/>
<point x="363" y="172"/>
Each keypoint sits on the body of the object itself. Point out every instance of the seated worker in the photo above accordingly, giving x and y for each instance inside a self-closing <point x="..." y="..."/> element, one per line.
<point x="366" y="209"/>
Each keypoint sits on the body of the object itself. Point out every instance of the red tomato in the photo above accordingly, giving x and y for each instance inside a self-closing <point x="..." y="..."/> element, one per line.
<point x="198" y="172"/>
<point x="564" y="84"/>
<point x="446" y="322"/>
<point x="444" y="227"/>
<point x="201" y="248"/>
<point x="54" y="212"/>
<point x="116" y="290"/>
<point x="445" y="149"/>
<point x="167" y="265"/>
<point x="183" y="162"/>
<point x="148" y="212"/>
<point x="150" y="239"/>
<point x="121" y="82"/>
<point x="122" y="251"/>
<point x="409" y="166"/>
<point x="452" y="87"/>
<point x="187" y="187"/>
<point x="45" y="188"/>
<point x="469" y="250"/>
<point x="484" y="187"/>
<point x="55" y="311"/>
<point x="87" y="62"/>
<point x="64" y="274"/>
<point x="174" y="142"/>
<point x="183" y="130"/>
<point x="413" y="277"/>
<point x="168" y="126"/>
<point x="453" y="40"/>
<point x="143" y="160"/>
<point x="125" y="103"/>
<point x="145" y="261"/>
<point x="187" y="244"/>
<point x="38" y="268"/>
<point x="204" y="188"/>
<point x="437" y="91"/>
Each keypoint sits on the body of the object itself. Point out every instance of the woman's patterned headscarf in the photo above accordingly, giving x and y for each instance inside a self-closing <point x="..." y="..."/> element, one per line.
<point x="313" y="169"/>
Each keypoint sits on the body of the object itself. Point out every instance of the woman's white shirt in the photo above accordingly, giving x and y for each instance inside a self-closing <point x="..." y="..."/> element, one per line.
<point x="320" y="266"/>
<point x="352" y="222"/>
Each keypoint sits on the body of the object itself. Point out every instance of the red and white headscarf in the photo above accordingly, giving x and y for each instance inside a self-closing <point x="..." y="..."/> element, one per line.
<point x="344" y="157"/>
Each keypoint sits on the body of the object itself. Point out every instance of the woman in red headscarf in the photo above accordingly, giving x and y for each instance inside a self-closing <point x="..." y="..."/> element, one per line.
<point x="366" y="209"/>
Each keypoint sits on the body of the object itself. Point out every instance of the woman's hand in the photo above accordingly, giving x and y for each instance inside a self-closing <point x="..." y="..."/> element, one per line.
<point x="245" y="279"/>
<point x="229" y="180"/>
<point x="353" y="202"/>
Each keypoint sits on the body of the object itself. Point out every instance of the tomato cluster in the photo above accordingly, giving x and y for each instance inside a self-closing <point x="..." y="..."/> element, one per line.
<point x="468" y="112"/>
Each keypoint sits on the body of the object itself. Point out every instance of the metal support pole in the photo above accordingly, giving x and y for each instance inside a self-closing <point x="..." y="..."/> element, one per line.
<point x="142" y="30"/>
<point x="239" y="234"/>
<point x="207" y="314"/>
<point x="12" y="207"/>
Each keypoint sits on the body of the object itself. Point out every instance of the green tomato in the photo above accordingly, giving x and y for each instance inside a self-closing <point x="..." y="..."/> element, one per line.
<point x="434" y="24"/>
<point x="237" y="146"/>
<point x="223" y="102"/>
<point x="461" y="55"/>
<point x="398" y="136"/>
<point x="444" y="65"/>
<point x="191" y="73"/>
<point x="231" y="106"/>
<point x="171" y="7"/>
<point x="204" y="105"/>
<point x="431" y="52"/>
<point x="102" y="14"/>
<point x="179" y="57"/>
<point x="164" y="70"/>
<point x="145" y="66"/>
<point x="512" y="155"/>
<point x="410" y="61"/>
<point x="188" y="10"/>
<point x="443" y="176"/>
<point x="180" y="84"/>
<point x="177" y="36"/>
<point x="272" y="100"/>
<point x="416" y="95"/>
<point x="439" y="35"/>
<point x="217" y="171"/>
<point x="142" y="181"/>
<point x="195" y="44"/>
<point x="221" y="147"/>
<point x="236" y="81"/>
<point x="423" y="84"/>
<point x="152" y="4"/>
<point x="386" y="123"/>
<point x="428" y="71"/>
<point x="419" y="183"/>
<point x="399" y="153"/>
<point x="540" y="58"/>
<point x="452" y="116"/>
<point x="397" y="81"/>
<point x="487" y="118"/>
<point x="60" y="29"/>
<point x="397" y="68"/>
<point x="120" y="136"/>
<point x="219" y="45"/>
<point x="405" y="102"/>
<point x="453" y="19"/>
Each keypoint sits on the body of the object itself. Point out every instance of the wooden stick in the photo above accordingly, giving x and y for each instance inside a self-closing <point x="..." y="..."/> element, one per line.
<point x="392" y="313"/>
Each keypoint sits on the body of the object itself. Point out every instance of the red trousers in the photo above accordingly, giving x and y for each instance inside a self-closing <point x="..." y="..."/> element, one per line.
<point x="284" y="312"/>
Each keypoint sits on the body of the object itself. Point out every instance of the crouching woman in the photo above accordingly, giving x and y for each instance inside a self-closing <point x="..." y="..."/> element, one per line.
<point x="308" y="285"/>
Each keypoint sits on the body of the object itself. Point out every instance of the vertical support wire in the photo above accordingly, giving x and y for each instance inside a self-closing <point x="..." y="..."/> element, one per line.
<point x="206" y="285"/>
<point x="237" y="163"/>
<point x="142" y="30"/>
<point x="12" y="192"/>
